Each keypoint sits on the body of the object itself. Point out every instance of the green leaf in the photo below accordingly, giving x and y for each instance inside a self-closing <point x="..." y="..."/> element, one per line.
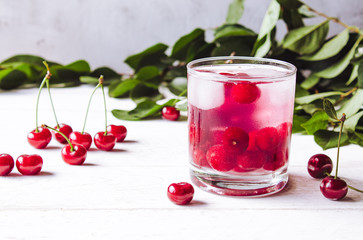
<point x="235" y="11"/>
<point x="353" y="105"/>
<point x="89" y="80"/>
<point x="145" y="109"/>
<point x="80" y="66"/>
<point x="263" y="42"/>
<point x="150" y="56"/>
<point x="337" y="68"/>
<point x="232" y="30"/>
<point x="310" y="81"/>
<point x="352" y="121"/>
<point x="329" y="139"/>
<point x="121" y="88"/>
<point x="147" y="73"/>
<point x="296" y="123"/>
<point x="241" y="46"/>
<point x="107" y="73"/>
<point x="330" y="48"/>
<point x="356" y="138"/>
<point x="174" y="72"/>
<point x="353" y="75"/>
<point x="318" y="121"/>
<point x="142" y="91"/>
<point x="329" y="109"/>
<point x="360" y="75"/>
<point x="290" y="4"/>
<point x="313" y="97"/>
<point x="26" y="59"/>
<point x="308" y="39"/>
<point x="11" y="78"/>
<point x="192" y="41"/>
<point x="178" y="85"/>
<point x="292" y="18"/>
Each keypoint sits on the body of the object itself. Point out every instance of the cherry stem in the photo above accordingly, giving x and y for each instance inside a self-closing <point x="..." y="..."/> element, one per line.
<point x="340" y="135"/>
<point x="89" y="104"/>
<point x="355" y="189"/>
<point x="51" y="103"/>
<point x="65" y="137"/>
<point x="104" y="102"/>
<point x="45" y="79"/>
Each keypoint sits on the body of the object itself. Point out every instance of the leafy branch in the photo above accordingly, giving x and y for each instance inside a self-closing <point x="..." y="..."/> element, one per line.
<point x="328" y="68"/>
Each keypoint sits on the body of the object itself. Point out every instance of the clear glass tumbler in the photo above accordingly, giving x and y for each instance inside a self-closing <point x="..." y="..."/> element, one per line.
<point x="240" y="112"/>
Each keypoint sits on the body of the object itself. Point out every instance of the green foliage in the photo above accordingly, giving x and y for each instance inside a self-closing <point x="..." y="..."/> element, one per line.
<point x="330" y="71"/>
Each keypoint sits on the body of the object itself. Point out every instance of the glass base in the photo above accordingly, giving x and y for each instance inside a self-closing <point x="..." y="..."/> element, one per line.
<point x="257" y="186"/>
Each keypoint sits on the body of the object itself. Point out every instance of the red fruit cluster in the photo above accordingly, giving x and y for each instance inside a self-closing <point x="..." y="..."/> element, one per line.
<point x="320" y="166"/>
<point x="233" y="149"/>
<point x="26" y="164"/>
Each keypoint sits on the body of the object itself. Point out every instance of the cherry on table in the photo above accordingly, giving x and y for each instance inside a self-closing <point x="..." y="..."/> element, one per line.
<point x="180" y="193"/>
<point x="75" y="157"/>
<point x="84" y="139"/>
<point x="319" y="165"/>
<point x="170" y="113"/>
<point x="219" y="159"/>
<point x="39" y="138"/>
<point x="104" y="142"/>
<point x="119" y="131"/>
<point x="29" y="164"/>
<point x="6" y="164"/>
<point x="65" y="129"/>
<point x="333" y="188"/>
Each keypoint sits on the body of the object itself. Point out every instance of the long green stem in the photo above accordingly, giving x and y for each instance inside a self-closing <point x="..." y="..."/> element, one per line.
<point x="355" y="189"/>
<point x="340" y="135"/>
<point x="104" y="102"/>
<point x="51" y="102"/>
<point x="89" y="103"/>
<point x="45" y="79"/>
<point x="65" y="137"/>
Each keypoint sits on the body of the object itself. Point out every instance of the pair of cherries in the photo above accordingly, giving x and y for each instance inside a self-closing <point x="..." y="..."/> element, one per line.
<point x="320" y="165"/>
<point x="26" y="164"/>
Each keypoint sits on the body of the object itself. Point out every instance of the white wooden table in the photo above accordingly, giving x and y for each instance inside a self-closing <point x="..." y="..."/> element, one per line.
<point x="122" y="194"/>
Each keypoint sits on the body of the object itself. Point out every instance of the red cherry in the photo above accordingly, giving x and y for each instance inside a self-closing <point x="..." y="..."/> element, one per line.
<point x="6" y="164"/>
<point x="119" y="131"/>
<point x="29" y="164"/>
<point x="199" y="158"/>
<point x="319" y="165"/>
<point x="170" y="113"/>
<point x="180" y="193"/>
<point x="251" y="160"/>
<point x="84" y="139"/>
<point x="65" y="129"/>
<point x="104" y="142"/>
<point x="39" y="139"/>
<point x="267" y="138"/>
<point x="235" y="140"/>
<point x="276" y="161"/>
<point x="245" y="92"/>
<point x="333" y="188"/>
<point x="75" y="157"/>
<point x="219" y="159"/>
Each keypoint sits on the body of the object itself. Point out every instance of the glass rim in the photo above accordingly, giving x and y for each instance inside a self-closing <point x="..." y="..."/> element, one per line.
<point x="291" y="69"/>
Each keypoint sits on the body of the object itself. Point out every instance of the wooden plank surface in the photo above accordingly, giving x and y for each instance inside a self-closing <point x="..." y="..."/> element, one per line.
<point x="122" y="194"/>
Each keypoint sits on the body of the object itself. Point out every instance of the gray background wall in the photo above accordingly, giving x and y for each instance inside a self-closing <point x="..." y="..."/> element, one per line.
<point x="106" y="32"/>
